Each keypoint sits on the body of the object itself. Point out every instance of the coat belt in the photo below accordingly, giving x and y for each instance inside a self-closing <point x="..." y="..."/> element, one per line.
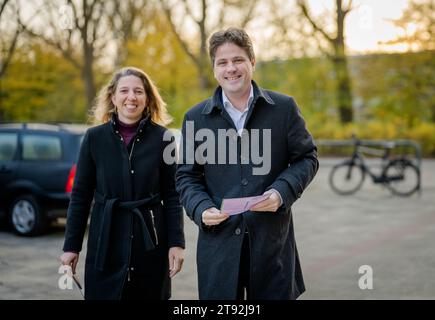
<point x="131" y="206"/>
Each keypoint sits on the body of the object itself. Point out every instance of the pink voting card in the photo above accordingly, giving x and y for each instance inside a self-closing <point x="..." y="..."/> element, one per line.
<point x="238" y="205"/>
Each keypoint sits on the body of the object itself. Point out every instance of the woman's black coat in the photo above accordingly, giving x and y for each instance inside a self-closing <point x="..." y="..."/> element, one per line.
<point x="124" y="238"/>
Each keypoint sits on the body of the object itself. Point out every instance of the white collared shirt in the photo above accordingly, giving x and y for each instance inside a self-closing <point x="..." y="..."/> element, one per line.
<point x="238" y="117"/>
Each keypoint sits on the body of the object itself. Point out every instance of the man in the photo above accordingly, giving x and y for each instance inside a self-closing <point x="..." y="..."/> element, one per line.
<point x="251" y="255"/>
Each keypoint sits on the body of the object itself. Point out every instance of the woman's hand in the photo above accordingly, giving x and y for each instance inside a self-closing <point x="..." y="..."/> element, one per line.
<point x="176" y="259"/>
<point x="70" y="259"/>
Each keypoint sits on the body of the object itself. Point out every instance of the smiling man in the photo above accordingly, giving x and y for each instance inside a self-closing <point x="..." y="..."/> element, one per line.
<point x="251" y="255"/>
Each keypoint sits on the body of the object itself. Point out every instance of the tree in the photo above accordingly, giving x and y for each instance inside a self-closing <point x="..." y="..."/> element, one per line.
<point x="205" y="18"/>
<point x="41" y="85"/>
<point x="287" y="38"/>
<point x="84" y="31"/>
<point x="129" y="20"/>
<point x="8" y="42"/>
<point x="396" y="87"/>
<point x="77" y="32"/>
<point x="161" y="56"/>
<point x="336" y="52"/>
<point x="418" y="24"/>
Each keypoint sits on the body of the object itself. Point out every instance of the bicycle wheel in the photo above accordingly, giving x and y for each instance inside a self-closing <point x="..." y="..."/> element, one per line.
<point x="402" y="177"/>
<point x="346" y="178"/>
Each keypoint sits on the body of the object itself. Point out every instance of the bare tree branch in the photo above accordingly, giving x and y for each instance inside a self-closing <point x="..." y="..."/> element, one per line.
<point x="127" y="19"/>
<point x="183" y="43"/>
<point x="249" y="14"/>
<point x="302" y="4"/>
<point x="6" y="56"/>
<point x="338" y="58"/>
<point x="188" y="11"/>
<point x="348" y="8"/>
<point x="76" y="17"/>
<point x="3" y="6"/>
<point x="199" y="55"/>
<point x="4" y="64"/>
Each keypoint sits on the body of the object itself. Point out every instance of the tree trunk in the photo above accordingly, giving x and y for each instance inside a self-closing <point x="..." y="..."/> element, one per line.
<point x="88" y="76"/>
<point x="203" y="68"/>
<point x="338" y="58"/>
<point x="204" y="81"/>
<point x="344" y="91"/>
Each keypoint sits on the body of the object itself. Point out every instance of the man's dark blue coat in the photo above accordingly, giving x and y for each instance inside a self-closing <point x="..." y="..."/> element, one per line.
<point x="275" y="268"/>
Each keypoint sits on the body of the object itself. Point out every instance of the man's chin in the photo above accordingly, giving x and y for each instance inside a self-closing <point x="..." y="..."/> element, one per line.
<point x="232" y="89"/>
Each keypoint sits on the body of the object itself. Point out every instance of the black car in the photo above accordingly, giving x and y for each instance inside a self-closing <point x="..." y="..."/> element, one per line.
<point x="37" y="169"/>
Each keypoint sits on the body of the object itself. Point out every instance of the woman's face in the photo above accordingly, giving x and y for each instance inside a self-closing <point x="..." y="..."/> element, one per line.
<point x="129" y="99"/>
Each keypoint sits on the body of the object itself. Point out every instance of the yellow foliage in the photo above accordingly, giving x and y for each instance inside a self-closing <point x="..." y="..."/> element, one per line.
<point x="422" y="133"/>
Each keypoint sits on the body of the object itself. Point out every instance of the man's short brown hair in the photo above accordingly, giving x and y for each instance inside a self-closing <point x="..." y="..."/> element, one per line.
<point x="232" y="35"/>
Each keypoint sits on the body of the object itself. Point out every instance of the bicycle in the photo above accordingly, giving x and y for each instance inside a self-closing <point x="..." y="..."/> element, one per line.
<point x="399" y="175"/>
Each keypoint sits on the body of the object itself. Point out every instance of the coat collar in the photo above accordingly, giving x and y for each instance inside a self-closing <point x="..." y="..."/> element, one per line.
<point x="216" y="100"/>
<point x="114" y="122"/>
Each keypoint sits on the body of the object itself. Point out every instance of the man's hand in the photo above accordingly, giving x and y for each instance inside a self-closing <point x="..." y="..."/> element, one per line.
<point x="176" y="259"/>
<point x="213" y="216"/>
<point x="270" y="204"/>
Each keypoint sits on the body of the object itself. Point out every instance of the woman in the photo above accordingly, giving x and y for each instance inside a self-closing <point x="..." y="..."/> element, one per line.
<point x="136" y="240"/>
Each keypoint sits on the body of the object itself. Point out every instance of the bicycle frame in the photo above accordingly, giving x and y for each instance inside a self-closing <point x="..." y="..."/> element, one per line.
<point x="349" y="174"/>
<point x="358" y="159"/>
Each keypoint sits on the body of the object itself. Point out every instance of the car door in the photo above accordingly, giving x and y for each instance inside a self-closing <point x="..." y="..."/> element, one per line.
<point x="8" y="163"/>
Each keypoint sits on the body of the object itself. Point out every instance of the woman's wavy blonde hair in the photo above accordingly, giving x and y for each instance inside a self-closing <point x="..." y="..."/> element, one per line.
<point x="155" y="106"/>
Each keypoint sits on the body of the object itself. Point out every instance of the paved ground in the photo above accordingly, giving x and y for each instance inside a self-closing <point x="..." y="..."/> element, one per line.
<point x="335" y="236"/>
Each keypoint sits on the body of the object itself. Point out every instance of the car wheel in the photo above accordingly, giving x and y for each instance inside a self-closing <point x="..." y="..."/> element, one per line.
<point x="26" y="216"/>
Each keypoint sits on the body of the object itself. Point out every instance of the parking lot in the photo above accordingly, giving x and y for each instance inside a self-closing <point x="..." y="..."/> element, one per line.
<point x="335" y="235"/>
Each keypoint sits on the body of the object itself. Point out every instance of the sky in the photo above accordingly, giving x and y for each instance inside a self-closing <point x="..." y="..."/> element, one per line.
<point x="368" y="23"/>
<point x="366" y="26"/>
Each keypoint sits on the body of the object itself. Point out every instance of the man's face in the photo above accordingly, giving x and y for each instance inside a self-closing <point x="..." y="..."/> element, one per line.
<point x="233" y="69"/>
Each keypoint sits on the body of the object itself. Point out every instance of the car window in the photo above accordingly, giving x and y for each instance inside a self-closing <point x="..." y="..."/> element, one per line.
<point x="39" y="147"/>
<point x="8" y="145"/>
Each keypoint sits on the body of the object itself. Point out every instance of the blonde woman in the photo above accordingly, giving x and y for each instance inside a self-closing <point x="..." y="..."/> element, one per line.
<point x="136" y="239"/>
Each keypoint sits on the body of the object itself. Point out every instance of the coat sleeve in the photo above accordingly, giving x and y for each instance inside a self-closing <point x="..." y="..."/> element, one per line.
<point x="171" y="202"/>
<point x="190" y="181"/>
<point x="81" y="198"/>
<point x="303" y="163"/>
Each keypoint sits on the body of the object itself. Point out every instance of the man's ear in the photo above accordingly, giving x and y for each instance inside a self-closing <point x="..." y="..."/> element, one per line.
<point x="253" y="64"/>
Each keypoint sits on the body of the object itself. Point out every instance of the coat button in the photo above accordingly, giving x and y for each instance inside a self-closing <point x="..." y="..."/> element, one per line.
<point x="137" y="139"/>
<point x="238" y="231"/>
<point x="132" y="171"/>
<point x="245" y="182"/>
